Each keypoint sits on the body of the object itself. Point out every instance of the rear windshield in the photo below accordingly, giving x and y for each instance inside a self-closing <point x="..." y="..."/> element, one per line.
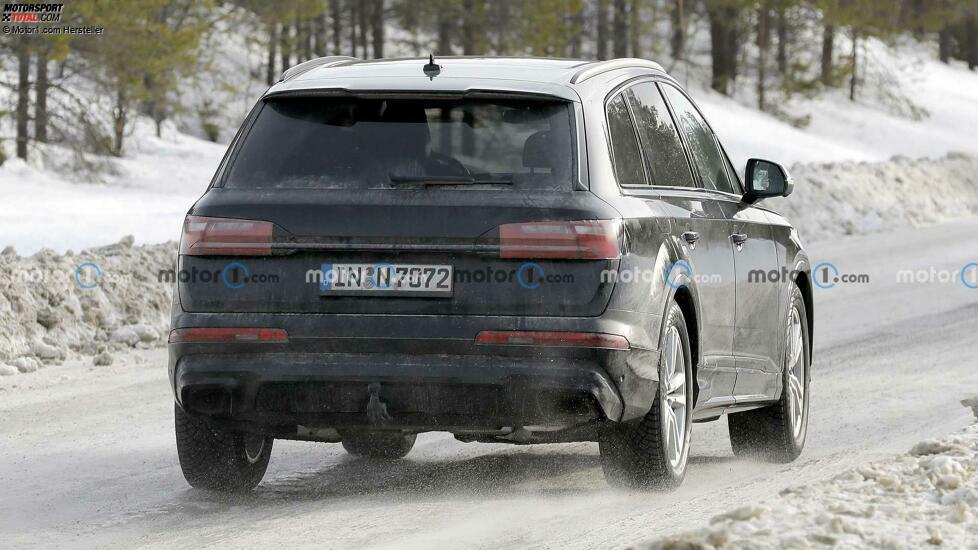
<point x="350" y="143"/>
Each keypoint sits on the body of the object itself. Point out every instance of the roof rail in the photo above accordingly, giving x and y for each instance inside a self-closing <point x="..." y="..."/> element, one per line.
<point x="306" y="66"/>
<point x="594" y="69"/>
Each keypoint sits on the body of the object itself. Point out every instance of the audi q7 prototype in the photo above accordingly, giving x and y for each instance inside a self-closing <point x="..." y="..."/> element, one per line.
<point x="510" y="250"/>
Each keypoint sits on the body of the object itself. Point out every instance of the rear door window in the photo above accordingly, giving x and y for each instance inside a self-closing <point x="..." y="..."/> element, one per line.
<point x="702" y="144"/>
<point x="353" y="143"/>
<point x="625" y="151"/>
<point x="660" y="139"/>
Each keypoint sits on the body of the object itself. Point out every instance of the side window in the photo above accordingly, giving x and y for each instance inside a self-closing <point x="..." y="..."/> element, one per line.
<point x="661" y="142"/>
<point x="624" y="144"/>
<point x="703" y="147"/>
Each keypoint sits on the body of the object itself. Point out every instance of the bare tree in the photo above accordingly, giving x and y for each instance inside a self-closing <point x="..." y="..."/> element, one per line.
<point x="601" y="49"/>
<point x="828" y="47"/>
<point x="335" y="15"/>
<point x="783" y="38"/>
<point x="971" y="39"/>
<point x="620" y="29"/>
<point x="377" y="28"/>
<point x="854" y="65"/>
<point x="678" y="41"/>
<point x="763" y="45"/>
<point x="41" y="96"/>
<point x="724" y="44"/>
<point x="272" y="30"/>
<point x="23" y="88"/>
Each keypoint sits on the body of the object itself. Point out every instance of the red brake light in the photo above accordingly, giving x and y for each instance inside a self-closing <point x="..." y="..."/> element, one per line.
<point x="225" y="237"/>
<point x="573" y="240"/>
<point x="213" y="335"/>
<point x="552" y="339"/>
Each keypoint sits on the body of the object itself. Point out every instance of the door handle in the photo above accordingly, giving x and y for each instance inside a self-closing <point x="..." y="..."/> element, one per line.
<point x="739" y="239"/>
<point x="692" y="238"/>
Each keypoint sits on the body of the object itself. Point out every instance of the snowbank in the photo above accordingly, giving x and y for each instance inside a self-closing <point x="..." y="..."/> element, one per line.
<point x="928" y="497"/>
<point x="45" y="204"/>
<point x="93" y="303"/>
<point x="851" y="198"/>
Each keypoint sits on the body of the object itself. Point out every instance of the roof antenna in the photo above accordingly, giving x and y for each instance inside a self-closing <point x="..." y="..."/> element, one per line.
<point x="431" y="70"/>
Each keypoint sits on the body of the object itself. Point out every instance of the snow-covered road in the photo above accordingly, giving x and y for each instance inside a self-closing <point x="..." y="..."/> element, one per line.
<point x="87" y="458"/>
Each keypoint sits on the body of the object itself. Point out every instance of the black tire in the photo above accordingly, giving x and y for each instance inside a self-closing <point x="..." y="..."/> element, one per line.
<point x="219" y="460"/>
<point x="770" y="433"/>
<point x="636" y="454"/>
<point x="378" y="444"/>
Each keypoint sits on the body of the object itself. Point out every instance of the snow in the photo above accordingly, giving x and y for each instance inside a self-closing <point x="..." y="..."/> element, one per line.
<point x="912" y="105"/>
<point x="928" y="496"/>
<point x="145" y="194"/>
<point x="50" y="310"/>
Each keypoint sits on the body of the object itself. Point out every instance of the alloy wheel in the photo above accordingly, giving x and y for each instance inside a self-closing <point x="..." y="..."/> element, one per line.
<point x="675" y="405"/>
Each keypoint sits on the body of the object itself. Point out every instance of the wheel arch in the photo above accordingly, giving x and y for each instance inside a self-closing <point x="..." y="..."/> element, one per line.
<point x="683" y="297"/>
<point x="804" y="282"/>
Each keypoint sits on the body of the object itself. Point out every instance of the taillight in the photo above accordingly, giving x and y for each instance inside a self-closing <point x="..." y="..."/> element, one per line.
<point x="215" y="335"/>
<point x="225" y="237"/>
<point x="572" y="240"/>
<point x="552" y="339"/>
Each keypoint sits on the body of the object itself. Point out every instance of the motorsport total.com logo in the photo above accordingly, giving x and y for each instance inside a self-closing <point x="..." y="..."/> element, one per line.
<point x="32" y="13"/>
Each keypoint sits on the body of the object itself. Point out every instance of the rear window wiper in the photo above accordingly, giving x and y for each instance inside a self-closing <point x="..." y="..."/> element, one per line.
<point x="449" y="180"/>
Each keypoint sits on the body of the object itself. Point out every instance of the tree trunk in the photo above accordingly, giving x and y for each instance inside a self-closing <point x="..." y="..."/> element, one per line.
<point x="319" y="25"/>
<point x="469" y="24"/>
<point x="354" y="19"/>
<point x="619" y="28"/>
<point x="272" y="49"/>
<point x="634" y="29"/>
<point x="363" y="23"/>
<point x="854" y="65"/>
<point x="918" y="12"/>
<point x="678" y="41"/>
<point x="601" y="49"/>
<point x="763" y="43"/>
<point x="828" y="45"/>
<point x="446" y="24"/>
<point x="782" y="40"/>
<point x="944" y="45"/>
<point x="23" y="89"/>
<point x="502" y="26"/>
<point x="41" y="98"/>
<point x="377" y="28"/>
<point x="971" y="40"/>
<point x="285" y="47"/>
<point x="335" y="15"/>
<point x="119" y="119"/>
<point x="577" y="40"/>
<point x="724" y="48"/>
<point x="303" y="48"/>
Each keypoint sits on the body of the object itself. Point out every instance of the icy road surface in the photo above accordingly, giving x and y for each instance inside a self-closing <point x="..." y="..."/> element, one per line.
<point x="87" y="457"/>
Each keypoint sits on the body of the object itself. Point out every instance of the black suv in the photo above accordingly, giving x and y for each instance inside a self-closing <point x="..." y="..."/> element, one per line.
<point x="510" y="250"/>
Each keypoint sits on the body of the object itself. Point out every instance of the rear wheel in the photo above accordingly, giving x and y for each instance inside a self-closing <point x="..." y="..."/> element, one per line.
<point x="219" y="460"/>
<point x="654" y="452"/>
<point x="778" y="432"/>
<point x="379" y="444"/>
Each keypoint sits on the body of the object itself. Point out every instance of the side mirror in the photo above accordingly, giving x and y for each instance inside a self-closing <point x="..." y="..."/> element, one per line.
<point x="766" y="179"/>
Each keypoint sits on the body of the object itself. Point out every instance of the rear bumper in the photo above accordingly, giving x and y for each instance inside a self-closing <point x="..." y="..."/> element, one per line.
<point x="432" y="374"/>
<point x="276" y="393"/>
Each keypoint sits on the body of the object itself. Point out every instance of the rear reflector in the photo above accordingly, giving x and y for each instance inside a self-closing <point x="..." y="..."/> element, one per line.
<point x="552" y="339"/>
<point x="206" y="335"/>
<point x="225" y="237"/>
<point x="574" y="240"/>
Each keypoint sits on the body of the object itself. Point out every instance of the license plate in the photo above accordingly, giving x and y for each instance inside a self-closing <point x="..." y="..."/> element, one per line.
<point x="383" y="279"/>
